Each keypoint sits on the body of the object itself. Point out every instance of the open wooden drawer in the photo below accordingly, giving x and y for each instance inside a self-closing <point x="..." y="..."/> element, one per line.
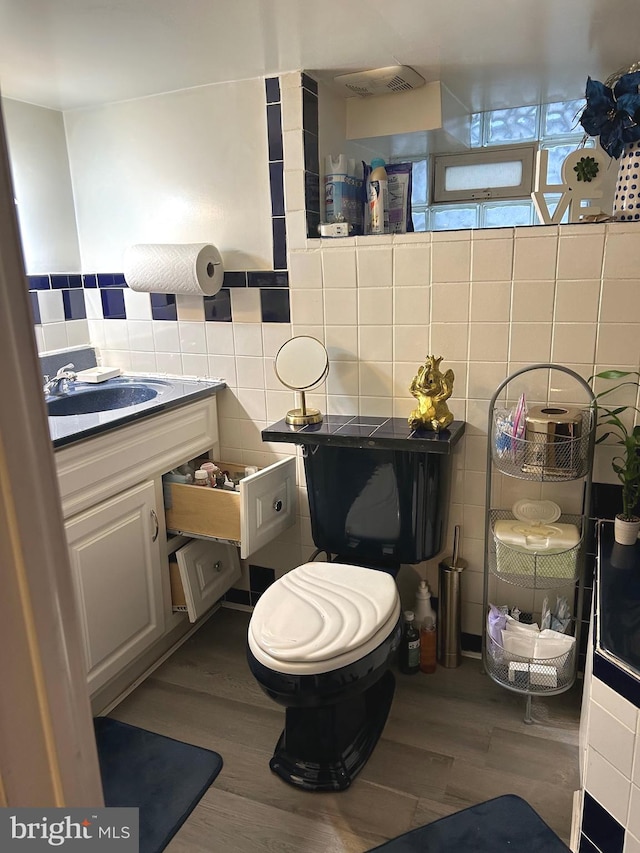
<point x="201" y="573"/>
<point x="249" y="518"/>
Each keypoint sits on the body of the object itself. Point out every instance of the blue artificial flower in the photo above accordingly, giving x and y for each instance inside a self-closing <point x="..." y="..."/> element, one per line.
<point x="613" y="114"/>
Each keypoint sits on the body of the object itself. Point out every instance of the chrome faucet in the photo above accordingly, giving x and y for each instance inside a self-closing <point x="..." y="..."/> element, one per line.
<point x="60" y="382"/>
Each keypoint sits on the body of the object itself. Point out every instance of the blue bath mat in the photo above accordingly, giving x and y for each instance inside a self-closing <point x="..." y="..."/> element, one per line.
<point x="504" y="825"/>
<point x="162" y="777"/>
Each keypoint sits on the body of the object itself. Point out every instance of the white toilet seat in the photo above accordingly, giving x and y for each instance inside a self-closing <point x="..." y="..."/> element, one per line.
<point x="322" y="616"/>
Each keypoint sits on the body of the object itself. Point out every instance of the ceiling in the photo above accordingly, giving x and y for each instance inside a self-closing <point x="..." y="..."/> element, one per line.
<point x="68" y="54"/>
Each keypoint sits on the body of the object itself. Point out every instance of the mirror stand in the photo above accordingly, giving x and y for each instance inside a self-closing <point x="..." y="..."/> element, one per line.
<point x="302" y="415"/>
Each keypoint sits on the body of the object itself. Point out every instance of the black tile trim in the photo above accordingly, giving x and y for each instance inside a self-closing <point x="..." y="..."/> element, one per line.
<point x="74" y="305"/>
<point x="276" y="182"/>
<point x="237" y="596"/>
<point x="600" y="827"/>
<point x="275" y="306"/>
<point x="163" y="306"/>
<point x="272" y="89"/>
<point x="35" y="308"/>
<point x="39" y="282"/>
<point x="311" y="160"/>
<point x="268" y="278"/>
<point x="470" y="642"/>
<point x="217" y="308"/>
<point x="279" y="229"/>
<point x="617" y="679"/>
<point x="234" y="279"/>
<point x="260" y="578"/>
<point x="309" y="83"/>
<point x="113" y="307"/>
<point x="586" y="846"/>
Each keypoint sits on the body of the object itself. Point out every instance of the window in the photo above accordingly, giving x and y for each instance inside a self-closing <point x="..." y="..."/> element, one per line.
<point x="552" y="126"/>
<point x="505" y="172"/>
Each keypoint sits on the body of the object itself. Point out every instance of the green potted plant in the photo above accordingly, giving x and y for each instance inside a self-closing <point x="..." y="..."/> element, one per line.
<point x="626" y="464"/>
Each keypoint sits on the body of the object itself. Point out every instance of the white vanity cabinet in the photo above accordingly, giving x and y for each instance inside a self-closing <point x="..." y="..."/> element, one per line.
<point x="114" y="508"/>
<point x="116" y="560"/>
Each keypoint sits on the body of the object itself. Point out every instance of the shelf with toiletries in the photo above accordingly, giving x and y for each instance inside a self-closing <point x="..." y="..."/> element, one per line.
<point x="534" y="546"/>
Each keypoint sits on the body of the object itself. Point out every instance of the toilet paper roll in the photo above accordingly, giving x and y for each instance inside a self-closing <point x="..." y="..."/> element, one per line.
<point x="174" y="268"/>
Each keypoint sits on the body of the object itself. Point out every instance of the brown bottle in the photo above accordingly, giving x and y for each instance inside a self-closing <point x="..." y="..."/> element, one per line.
<point x="428" y="646"/>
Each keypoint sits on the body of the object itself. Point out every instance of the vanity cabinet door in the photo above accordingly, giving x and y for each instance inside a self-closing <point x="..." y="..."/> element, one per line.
<point x="117" y="567"/>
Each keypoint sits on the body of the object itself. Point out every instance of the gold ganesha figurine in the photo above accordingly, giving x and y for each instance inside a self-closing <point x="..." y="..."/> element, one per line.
<point x="431" y="388"/>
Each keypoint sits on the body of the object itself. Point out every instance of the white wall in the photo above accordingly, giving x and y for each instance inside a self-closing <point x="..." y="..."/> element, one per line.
<point x="42" y="185"/>
<point x="184" y="167"/>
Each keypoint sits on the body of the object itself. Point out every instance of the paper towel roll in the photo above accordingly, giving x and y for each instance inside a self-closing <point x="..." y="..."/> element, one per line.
<point x="174" y="268"/>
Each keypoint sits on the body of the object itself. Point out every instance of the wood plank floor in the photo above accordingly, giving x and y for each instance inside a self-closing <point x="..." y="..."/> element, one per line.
<point x="452" y="739"/>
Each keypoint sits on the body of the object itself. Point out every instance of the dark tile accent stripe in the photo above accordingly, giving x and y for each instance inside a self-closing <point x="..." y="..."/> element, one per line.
<point x="310" y="111"/>
<point x="235" y="279"/>
<point x="267" y="278"/>
<point x="111" y="279"/>
<point x="470" y="642"/>
<point x="218" y="308"/>
<point x="237" y="596"/>
<point x="312" y="191"/>
<point x="274" y="132"/>
<point x="311" y="157"/>
<point x="163" y="306"/>
<point x="276" y="181"/>
<point x="74" y="306"/>
<point x="600" y="827"/>
<point x="39" y="282"/>
<point x="274" y="305"/>
<point x="279" y="229"/>
<point x="35" y="307"/>
<point x="113" y="305"/>
<point x="586" y="846"/>
<point x="311" y="161"/>
<point x="260" y="578"/>
<point x="59" y="280"/>
<point x="617" y="679"/>
<point x="309" y="83"/>
<point x="276" y="177"/>
<point x="272" y="89"/>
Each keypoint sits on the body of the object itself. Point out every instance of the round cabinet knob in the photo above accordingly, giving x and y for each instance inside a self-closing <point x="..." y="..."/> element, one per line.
<point x="218" y="565"/>
<point x="277" y="505"/>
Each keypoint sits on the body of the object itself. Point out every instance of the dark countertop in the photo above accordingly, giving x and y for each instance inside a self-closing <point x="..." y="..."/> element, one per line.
<point x="367" y="432"/>
<point x="618" y="623"/>
<point x="172" y="392"/>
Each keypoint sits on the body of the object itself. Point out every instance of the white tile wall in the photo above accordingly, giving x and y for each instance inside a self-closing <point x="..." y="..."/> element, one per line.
<point x="613" y="756"/>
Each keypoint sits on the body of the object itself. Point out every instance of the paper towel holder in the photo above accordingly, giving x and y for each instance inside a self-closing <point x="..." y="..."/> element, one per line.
<point x="302" y="363"/>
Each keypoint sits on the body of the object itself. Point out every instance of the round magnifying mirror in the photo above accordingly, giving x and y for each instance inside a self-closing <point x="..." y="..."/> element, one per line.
<point x="302" y="363"/>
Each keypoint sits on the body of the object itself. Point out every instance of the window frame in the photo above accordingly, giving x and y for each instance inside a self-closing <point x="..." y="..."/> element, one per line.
<point x="524" y="152"/>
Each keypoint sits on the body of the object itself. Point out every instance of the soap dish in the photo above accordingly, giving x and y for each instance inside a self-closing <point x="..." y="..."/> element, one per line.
<point x="97" y="374"/>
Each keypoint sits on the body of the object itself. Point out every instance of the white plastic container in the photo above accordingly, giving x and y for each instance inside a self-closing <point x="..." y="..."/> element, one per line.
<point x="423" y="611"/>
<point x="378" y="198"/>
<point x="336" y="188"/>
<point x="535" y="543"/>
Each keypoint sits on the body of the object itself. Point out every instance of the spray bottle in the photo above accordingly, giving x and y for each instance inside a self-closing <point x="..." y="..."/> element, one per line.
<point x="378" y="198"/>
<point x="426" y="623"/>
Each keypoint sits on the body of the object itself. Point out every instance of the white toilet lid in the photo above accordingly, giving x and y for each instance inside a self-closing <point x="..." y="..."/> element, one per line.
<point x="322" y="616"/>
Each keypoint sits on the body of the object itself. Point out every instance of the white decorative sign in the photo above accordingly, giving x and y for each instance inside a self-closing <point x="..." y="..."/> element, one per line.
<point x="582" y="175"/>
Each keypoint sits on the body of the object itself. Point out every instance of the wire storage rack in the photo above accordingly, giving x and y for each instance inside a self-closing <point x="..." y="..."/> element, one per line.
<point x="523" y="555"/>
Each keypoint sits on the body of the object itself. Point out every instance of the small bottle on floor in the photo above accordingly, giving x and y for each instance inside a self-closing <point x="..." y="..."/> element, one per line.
<point x="428" y="645"/>
<point x="409" y="661"/>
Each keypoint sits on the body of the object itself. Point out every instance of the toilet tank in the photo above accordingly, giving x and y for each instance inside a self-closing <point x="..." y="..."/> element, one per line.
<point x="379" y="505"/>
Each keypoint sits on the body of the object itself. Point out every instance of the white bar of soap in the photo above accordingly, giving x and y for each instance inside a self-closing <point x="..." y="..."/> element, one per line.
<point x="98" y="374"/>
